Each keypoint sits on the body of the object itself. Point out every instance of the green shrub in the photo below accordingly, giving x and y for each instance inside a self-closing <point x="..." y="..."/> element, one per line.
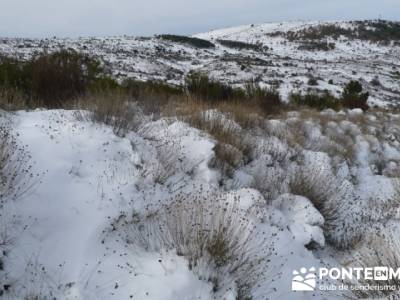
<point x="15" y="75"/>
<point x="195" y="42"/>
<point x="267" y="98"/>
<point x="137" y="88"/>
<point x="354" y="97"/>
<point x="50" y="80"/>
<point x="200" y="86"/>
<point x="61" y="76"/>
<point x="316" y="101"/>
<point x="152" y="96"/>
<point x="240" y="45"/>
<point x="316" y="46"/>
<point x="312" y="81"/>
<point x="376" y="31"/>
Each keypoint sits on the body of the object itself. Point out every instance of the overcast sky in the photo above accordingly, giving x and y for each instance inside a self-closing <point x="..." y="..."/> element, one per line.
<point x="41" y="18"/>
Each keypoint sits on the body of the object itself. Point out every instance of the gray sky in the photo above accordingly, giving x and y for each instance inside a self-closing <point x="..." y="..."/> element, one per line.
<point x="42" y="18"/>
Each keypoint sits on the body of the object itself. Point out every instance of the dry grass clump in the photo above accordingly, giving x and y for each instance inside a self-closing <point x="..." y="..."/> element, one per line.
<point x="210" y="231"/>
<point x="328" y="196"/>
<point x="16" y="181"/>
<point x="318" y="187"/>
<point x="246" y="113"/>
<point x="114" y="109"/>
<point x="233" y="146"/>
<point x="16" y="177"/>
<point x="382" y="250"/>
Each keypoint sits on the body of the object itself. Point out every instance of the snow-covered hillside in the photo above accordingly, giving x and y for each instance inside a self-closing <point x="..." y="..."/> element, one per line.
<point x="280" y="61"/>
<point x="111" y="217"/>
<point x="111" y="200"/>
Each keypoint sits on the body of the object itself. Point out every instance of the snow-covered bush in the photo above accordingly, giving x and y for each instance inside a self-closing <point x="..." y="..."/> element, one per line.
<point x="233" y="146"/>
<point x="381" y="250"/>
<point x="215" y="234"/>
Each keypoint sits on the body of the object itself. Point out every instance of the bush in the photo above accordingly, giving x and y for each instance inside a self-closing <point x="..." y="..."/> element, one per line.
<point x="312" y="81"/>
<point x="240" y="45"/>
<point x="316" y="101"/>
<point x="268" y="99"/>
<point x="15" y="79"/>
<point x="152" y="96"/>
<point x="201" y="87"/>
<point x="137" y="89"/>
<point x="195" y="42"/>
<point x="16" y="177"/>
<point x="62" y="76"/>
<point x="382" y="249"/>
<point x="354" y="97"/>
<point x="377" y="31"/>
<point x="50" y="80"/>
<point x="114" y="109"/>
<point x="375" y="81"/>
<point x="316" y="46"/>
<point x="213" y="233"/>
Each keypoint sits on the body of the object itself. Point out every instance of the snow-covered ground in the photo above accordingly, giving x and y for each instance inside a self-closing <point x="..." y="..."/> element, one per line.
<point x="169" y="211"/>
<point x="284" y="63"/>
<point x="106" y="218"/>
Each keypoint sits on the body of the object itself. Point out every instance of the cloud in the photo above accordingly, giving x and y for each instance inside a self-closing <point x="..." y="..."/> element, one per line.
<point x="41" y="18"/>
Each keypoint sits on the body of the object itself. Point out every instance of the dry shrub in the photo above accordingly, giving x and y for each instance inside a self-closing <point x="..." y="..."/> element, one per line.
<point x="334" y="140"/>
<point x="16" y="181"/>
<point x="318" y="188"/>
<point x="233" y="146"/>
<point x="113" y="109"/>
<point x="333" y="200"/>
<point x="246" y="113"/>
<point x="16" y="176"/>
<point x="382" y="250"/>
<point x="210" y="231"/>
<point x="227" y="158"/>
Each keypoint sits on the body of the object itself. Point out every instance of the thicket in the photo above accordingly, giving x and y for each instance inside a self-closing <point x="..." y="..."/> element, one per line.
<point x="240" y="45"/>
<point x="352" y="97"/>
<point x="195" y="42"/>
<point x="49" y="79"/>
<point x="66" y="78"/>
<point x="376" y="31"/>
<point x="60" y="79"/>
<point x="200" y="86"/>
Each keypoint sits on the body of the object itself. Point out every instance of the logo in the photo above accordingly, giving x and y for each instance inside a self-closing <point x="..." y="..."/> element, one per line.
<point x="381" y="273"/>
<point x="340" y="279"/>
<point x="305" y="280"/>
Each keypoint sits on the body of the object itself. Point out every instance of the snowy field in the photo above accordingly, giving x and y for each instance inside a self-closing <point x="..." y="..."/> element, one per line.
<point x="110" y="217"/>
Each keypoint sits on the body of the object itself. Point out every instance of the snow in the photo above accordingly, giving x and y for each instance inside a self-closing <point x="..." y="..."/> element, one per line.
<point x="91" y="176"/>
